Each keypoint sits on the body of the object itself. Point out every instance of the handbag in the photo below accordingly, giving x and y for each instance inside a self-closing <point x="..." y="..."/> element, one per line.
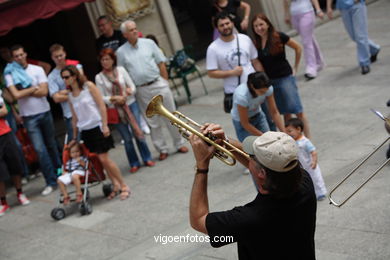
<point x="228" y="103"/>
<point x="112" y="116"/>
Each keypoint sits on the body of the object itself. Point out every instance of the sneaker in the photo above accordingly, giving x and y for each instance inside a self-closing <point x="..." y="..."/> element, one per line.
<point x="23" y="199"/>
<point x="3" y="209"/>
<point x="47" y="190"/>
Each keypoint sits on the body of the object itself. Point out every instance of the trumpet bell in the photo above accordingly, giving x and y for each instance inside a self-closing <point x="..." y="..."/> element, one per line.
<point x="154" y="106"/>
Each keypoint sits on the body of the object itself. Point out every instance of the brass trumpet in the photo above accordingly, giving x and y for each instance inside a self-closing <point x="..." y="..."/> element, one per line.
<point x="186" y="127"/>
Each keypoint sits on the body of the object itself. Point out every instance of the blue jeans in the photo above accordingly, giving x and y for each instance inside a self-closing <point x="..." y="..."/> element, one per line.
<point x="286" y="95"/>
<point x="259" y="121"/>
<point x="69" y="128"/>
<point x="129" y="145"/>
<point x="40" y="129"/>
<point x="355" y="22"/>
<point x="136" y="112"/>
<point x="12" y="123"/>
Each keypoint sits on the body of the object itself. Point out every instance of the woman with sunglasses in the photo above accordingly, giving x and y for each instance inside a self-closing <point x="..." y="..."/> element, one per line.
<point x="118" y="92"/>
<point x="90" y="117"/>
<point x="270" y="45"/>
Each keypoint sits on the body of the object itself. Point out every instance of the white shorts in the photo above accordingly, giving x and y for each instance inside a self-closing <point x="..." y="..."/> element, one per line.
<point x="67" y="178"/>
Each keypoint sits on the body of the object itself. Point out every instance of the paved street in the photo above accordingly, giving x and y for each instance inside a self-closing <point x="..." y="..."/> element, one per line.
<point x="343" y="129"/>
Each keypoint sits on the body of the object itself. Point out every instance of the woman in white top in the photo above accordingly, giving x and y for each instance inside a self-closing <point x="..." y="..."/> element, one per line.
<point x="90" y="117"/>
<point x="118" y="92"/>
<point x="300" y="13"/>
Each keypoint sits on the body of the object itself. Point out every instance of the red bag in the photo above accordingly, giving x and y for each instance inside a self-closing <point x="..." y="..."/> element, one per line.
<point x="28" y="150"/>
<point x="112" y="116"/>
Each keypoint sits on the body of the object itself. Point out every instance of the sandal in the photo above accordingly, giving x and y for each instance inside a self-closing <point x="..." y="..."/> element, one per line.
<point x="113" y="194"/>
<point x="66" y="201"/>
<point x="79" y="198"/>
<point x="125" y="193"/>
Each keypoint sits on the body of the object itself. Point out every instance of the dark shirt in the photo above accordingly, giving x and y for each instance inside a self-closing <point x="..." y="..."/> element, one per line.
<point x="276" y="66"/>
<point x="270" y="228"/>
<point x="231" y="8"/>
<point x="113" y="42"/>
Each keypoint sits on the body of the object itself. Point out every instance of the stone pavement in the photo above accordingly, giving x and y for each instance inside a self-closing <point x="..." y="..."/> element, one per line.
<point x="343" y="129"/>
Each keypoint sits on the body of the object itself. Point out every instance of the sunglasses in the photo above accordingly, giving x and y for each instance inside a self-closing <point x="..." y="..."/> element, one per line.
<point x="66" y="77"/>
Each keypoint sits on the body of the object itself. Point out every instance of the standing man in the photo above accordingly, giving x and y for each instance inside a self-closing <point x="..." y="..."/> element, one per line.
<point x="354" y="14"/>
<point x="146" y="65"/>
<point x="57" y="88"/>
<point x="28" y="84"/>
<point x="280" y="222"/>
<point x="231" y="57"/>
<point x="110" y="38"/>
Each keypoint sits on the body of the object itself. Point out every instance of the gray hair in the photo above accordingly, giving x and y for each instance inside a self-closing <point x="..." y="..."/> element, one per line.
<point x="123" y="25"/>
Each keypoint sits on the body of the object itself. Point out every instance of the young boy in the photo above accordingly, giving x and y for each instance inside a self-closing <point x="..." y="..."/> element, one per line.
<point x="74" y="169"/>
<point x="307" y="155"/>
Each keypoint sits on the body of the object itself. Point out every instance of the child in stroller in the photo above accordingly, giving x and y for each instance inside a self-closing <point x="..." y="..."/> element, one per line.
<point x="74" y="169"/>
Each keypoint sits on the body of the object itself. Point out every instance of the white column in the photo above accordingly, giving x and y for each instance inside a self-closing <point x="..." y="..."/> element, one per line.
<point x="170" y="25"/>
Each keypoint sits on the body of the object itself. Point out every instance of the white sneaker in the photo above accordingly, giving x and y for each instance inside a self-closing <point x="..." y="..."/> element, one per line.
<point x="3" y="209"/>
<point x="246" y="172"/>
<point x="47" y="190"/>
<point x="23" y="199"/>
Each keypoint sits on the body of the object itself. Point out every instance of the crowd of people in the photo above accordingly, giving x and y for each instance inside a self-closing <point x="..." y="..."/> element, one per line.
<point x="259" y="88"/>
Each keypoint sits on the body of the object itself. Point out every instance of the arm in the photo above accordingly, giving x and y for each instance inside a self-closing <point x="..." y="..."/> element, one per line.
<point x="60" y="96"/>
<point x="298" y="52"/>
<point x="221" y="74"/>
<point x="247" y="11"/>
<point x="74" y="122"/>
<point x="317" y="9"/>
<point x="257" y="65"/>
<point x="18" y="94"/>
<point x="244" y="121"/>
<point x="329" y="10"/>
<point x="314" y="159"/>
<point x="97" y="97"/>
<point x="8" y="96"/>
<point x="42" y="90"/>
<point x="163" y="70"/>
<point x="286" y="7"/>
<point x="274" y="112"/>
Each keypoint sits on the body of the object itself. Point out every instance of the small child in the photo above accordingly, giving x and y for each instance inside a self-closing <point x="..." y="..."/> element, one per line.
<point x="73" y="170"/>
<point x="307" y="155"/>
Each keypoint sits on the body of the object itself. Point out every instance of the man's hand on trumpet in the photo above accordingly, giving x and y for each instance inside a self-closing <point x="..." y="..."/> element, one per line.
<point x="202" y="151"/>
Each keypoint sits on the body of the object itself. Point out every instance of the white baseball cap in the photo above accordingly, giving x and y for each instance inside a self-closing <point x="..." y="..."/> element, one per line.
<point x="274" y="150"/>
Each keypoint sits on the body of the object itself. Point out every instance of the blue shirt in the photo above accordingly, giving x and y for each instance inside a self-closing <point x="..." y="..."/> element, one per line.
<point x="141" y="60"/>
<point x="244" y="98"/>
<point x="56" y="83"/>
<point x="346" y="4"/>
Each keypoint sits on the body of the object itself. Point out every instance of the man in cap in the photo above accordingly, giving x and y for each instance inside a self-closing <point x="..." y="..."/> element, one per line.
<point x="280" y="222"/>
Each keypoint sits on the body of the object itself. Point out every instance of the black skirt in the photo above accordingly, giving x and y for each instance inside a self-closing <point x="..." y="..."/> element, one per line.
<point x="95" y="141"/>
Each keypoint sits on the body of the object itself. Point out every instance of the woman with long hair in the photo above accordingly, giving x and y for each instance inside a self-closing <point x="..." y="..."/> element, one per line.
<point x="89" y="116"/>
<point x="118" y="92"/>
<point x="272" y="55"/>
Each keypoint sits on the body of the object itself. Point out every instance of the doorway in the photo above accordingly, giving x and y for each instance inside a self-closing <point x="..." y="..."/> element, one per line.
<point x="193" y="19"/>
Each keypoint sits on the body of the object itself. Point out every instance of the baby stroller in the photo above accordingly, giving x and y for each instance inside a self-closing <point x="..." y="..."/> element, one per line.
<point x="93" y="177"/>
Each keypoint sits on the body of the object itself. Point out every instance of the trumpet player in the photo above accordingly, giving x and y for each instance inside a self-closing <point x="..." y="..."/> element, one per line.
<point x="280" y="222"/>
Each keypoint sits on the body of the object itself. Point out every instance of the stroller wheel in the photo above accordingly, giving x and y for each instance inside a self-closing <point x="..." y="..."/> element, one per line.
<point x="83" y="190"/>
<point x="107" y="189"/>
<point x="58" y="213"/>
<point x="85" y="208"/>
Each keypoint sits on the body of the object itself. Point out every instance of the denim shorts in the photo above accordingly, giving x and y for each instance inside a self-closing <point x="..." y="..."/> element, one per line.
<point x="286" y="95"/>
<point x="259" y="121"/>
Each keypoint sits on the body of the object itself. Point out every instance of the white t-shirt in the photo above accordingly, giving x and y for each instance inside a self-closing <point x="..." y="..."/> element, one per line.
<point x="300" y="7"/>
<point x="224" y="56"/>
<point x="30" y="106"/>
